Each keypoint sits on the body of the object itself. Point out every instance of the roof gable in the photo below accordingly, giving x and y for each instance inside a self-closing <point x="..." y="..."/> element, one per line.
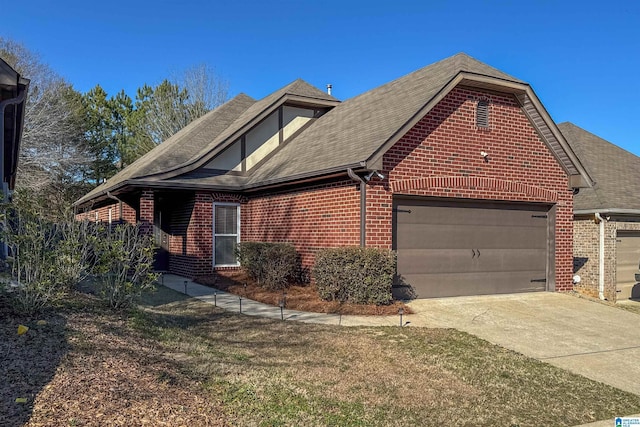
<point x="360" y="130"/>
<point x="205" y="137"/>
<point x="181" y="147"/>
<point x="615" y="170"/>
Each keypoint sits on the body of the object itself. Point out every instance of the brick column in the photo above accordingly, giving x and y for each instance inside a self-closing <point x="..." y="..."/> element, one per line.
<point x="146" y="211"/>
<point x="201" y="232"/>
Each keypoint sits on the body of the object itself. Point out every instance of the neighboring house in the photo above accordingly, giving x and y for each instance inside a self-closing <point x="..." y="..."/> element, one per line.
<point x="13" y="98"/>
<point x="606" y="218"/>
<point x="457" y="166"/>
<point x="13" y="94"/>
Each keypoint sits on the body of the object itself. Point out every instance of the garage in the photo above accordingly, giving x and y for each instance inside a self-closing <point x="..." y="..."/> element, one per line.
<point x="453" y="248"/>
<point x="627" y="260"/>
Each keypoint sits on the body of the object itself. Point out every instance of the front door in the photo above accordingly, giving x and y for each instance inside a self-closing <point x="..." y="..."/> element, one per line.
<point x="161" y="237"/>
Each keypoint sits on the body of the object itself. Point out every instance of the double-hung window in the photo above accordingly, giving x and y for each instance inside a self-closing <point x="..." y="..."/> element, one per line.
<point x="226" y="233"/>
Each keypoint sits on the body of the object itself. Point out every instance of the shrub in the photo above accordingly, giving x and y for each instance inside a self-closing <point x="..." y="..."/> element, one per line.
<point x="124" y="264"/>
<point x="36" y="248"/>
<point x="48" y="258"/>
<point x="272" y="265"/>
<point x="355" y="275"/>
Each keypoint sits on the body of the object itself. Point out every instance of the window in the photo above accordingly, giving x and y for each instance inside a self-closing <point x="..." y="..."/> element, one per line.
<point x="226" y="233"/>
<point x="263" y="139"/>
<point x="482" y="114"/>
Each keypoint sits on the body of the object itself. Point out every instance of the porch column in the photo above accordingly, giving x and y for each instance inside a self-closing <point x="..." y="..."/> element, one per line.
<point x="146" y="212"/>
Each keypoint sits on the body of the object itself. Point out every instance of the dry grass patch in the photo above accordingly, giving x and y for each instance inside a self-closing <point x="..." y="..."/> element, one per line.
<point x="285" y="373"/>
<point x="178" y="361"/>
<point x="630" y="305"/>
<point x="303" y="298"/>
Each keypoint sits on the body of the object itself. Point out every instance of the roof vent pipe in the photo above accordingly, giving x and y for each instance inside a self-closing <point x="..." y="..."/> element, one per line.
<point x="329" y="87"/>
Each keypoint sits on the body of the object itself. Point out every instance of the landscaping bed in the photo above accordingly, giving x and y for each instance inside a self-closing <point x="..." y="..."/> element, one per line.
<point x="298" y="297"/>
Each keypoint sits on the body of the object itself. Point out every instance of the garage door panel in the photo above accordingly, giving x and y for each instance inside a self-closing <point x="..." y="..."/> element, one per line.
<point x="451" y="248"/>
<point x="458" y="284"/>
<point x="416" y="213"/>
<point x="412" y="261"/>
<point x="459" y="236"/>
<point x="627" y="260"/>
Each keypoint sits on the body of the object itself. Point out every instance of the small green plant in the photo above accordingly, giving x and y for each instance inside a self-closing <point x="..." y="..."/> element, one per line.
<point x="272" y="265"/>
<point x="356" y="275"/>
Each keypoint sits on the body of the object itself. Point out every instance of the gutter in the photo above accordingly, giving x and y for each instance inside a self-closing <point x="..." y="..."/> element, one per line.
<point x="363" y="206"/>
<point x="242" y="188"/>
<point x="601" y="220"/>
<point x="610" y="211"/>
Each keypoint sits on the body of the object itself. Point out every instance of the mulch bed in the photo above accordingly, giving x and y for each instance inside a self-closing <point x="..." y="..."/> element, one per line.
<point x="86" y="367"/>
<point x="303" y="298"/>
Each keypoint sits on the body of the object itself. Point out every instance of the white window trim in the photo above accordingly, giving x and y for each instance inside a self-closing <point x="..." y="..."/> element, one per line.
<point x="213" y="229"/>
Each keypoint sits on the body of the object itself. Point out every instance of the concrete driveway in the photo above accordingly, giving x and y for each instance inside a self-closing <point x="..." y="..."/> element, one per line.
<point x="591" y="339"/>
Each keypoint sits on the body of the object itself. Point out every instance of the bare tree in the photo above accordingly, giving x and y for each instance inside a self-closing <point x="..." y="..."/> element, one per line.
<point x="206" y="90"/>
<point x="168" y="107"/>
<point x="52" y="141"/>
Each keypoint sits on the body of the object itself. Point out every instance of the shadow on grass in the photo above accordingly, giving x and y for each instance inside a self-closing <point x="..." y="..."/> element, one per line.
<point x="28" y="362"/>
<point x="167" y="310"/>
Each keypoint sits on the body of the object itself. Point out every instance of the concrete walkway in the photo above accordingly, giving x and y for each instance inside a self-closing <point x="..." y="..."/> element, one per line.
<point x="231" y="302"/>
<point x="594" y="340"/>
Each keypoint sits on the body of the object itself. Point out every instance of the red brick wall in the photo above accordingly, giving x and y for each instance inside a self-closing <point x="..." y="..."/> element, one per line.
<point x="316" y="217"/>
<point x="586" y="248"/>
<point x="191" y="233"/>
<point x="146" y="212"/>
<point x="128" y="214"/>
<point x="440" y="157"/>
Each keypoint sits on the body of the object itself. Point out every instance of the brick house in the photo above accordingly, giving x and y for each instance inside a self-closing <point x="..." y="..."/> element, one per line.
<point x="457" y="166"/>
<point x="606" y="218"/>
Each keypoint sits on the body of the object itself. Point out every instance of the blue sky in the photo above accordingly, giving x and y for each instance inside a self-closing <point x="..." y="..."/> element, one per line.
<point x="581" y="57"/>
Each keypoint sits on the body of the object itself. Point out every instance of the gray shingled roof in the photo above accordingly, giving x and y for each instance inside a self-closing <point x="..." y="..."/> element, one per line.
<point x="615" y="170"/>
<point x="353" y="131"/>
<point x="203" y="135"/>
<point x="349" y="134"/>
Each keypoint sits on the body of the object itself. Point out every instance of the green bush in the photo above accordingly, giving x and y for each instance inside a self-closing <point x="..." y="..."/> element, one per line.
<point x="45" y="257"/>
<point x="49" y="256"/>
<point x="124" y="264"/>
<point x="355" y="275"/>
<point x="272" y="265"/>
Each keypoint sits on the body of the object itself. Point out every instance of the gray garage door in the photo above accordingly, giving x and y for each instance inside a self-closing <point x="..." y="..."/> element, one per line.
<point x="457" y="248"/>
<point x="627" y="260"/>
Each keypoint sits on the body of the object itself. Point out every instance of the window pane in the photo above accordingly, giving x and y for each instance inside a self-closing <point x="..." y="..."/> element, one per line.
<point x="225" y="246"/>
<point x="226" y="220"/>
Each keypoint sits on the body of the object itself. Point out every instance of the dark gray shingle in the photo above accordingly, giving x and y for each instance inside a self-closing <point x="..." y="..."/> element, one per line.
<point x="615" y="170"/>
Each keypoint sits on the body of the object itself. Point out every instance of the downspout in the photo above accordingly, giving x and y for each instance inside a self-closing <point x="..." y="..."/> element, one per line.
<point x="601" y="258"/>
<point x="363" y="206"/>
<point x="111" y="196"/>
